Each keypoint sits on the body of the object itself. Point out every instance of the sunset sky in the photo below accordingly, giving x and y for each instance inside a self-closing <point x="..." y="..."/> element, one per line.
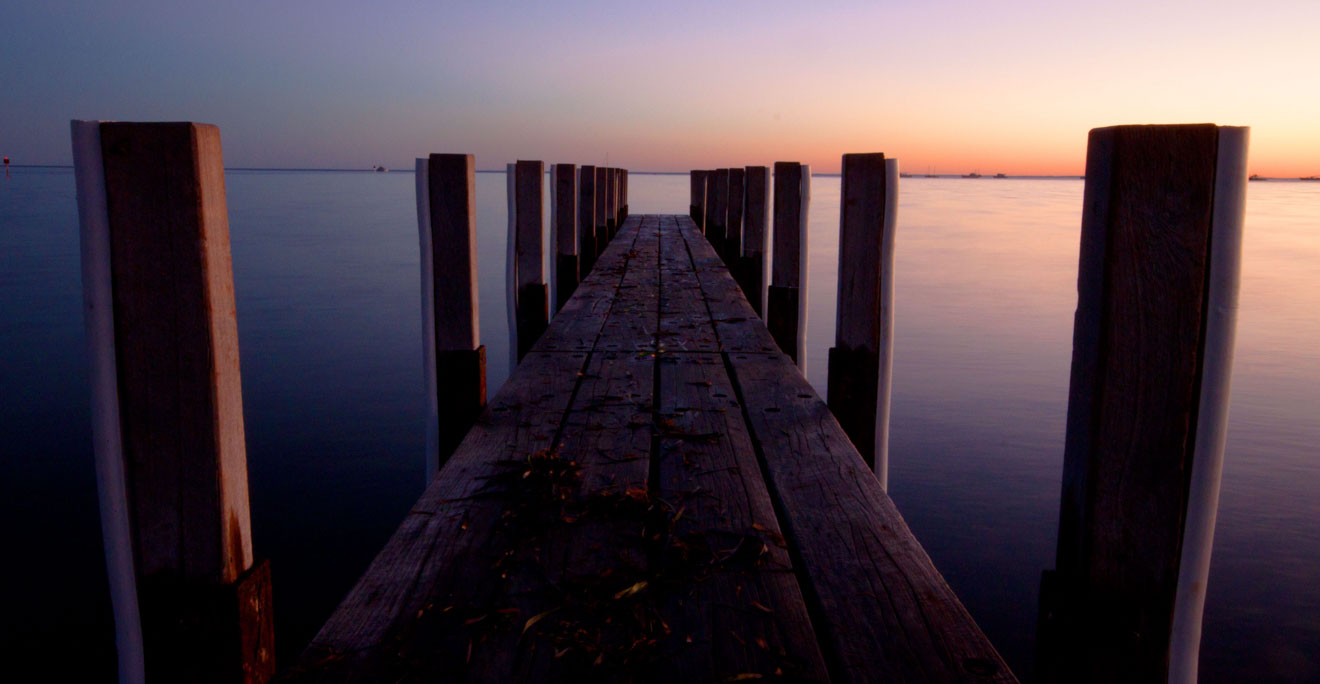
<point x="1008" y="86"/>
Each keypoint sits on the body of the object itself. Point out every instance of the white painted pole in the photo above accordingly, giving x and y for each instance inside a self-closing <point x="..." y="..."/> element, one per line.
<point x="886" y="346"/>
<point x="428" y="318"/>
<point x="111" y="480"/>
<point x="1212" y="415"/>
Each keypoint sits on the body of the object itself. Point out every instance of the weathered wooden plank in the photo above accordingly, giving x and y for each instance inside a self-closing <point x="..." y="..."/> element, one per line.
<point x="685" y="322"/>
<point x="584" y="315"/>
<point x="442" y="553"/>
<point x="882" y="610"/>
<point x="736" y="326"/>
<point x="733" y="604"/>
<point x="634" y="315"/>
<point x="1134" y="396"/>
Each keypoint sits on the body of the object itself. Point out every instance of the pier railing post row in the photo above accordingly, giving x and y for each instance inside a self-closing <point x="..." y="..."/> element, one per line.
<point x="564" y="232"/>
<point x="528" y="296"/>
<point x="1147" y="410"/>
<point x="862" y="357"/>
<point x="733" y="223"/>
<point x="602" y="210"/>
<point x="167" y="404"/>
<point x="717" y="208"/>
<point x="756" y="223"/>
<point x="454" y="359"/>
<point x="586" y="220"/>
<point x="697" y="208"/>
<point x="786" y="298"/>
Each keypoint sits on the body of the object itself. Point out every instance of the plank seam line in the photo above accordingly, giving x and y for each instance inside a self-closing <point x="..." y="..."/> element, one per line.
<point x="815" y="610"/>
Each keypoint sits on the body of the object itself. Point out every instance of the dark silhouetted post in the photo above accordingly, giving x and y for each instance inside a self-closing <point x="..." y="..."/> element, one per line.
<point x="563" y="231"/>
<point x="697" y="208"/>
<point x="756" y="226"/>
<point x="862" y="357"/>
<point x="717" y="208"/>
<point x="602" y="209"/>
<point x="733" y="224"/>
<point x="168" y="404"/>
<point x="454" y="359"/>
<point x="623" y="192"/>
<point x="611" y="203"/>
<point x="587" y="219"/>
<point x="528" y="289"/>
<point x="1148" y="403"/>
<point x="786" y="300"/>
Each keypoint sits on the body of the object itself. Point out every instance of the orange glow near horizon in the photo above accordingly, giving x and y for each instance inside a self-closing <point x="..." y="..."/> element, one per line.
<point x="1010" y="87"/>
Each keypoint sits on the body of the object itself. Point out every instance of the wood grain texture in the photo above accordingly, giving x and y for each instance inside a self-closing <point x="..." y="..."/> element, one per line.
<point x="533" y="311"/>
<point x="176" y="342"/>
<point x="602" y="210"/>
<point x="452" y="190"/>
<point x="697" y="209"/>
<point x="882" y="610"/>
<point x="787" y="234"/>
<point x="564" y="228"/>
<point x="733" y="224"/>
<point x="751" y="270"/>
<point x="672" y="552"/>
<point x="854" y="361"/>
<point x="586" y="219"/>
<point x="746" y="615"/>
<point x="717" y="207"/>
<point x="1133" y="396"/>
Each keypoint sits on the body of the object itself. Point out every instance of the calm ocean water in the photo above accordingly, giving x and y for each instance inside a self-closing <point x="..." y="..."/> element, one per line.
<point x="326" y="273"/>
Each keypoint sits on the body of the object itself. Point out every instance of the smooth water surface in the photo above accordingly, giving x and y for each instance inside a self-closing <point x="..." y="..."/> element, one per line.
<point x="326" y="275"/>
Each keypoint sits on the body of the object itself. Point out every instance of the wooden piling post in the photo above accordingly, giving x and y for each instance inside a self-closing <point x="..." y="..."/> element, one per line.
<point x="756" y="226"/>
<point x="164" y="342"/>
<point x="602" y="210"/>
<point x="1147" y="410"/>
<point x="564" y="232"/>
<point x="623" y="192"/>
<point x="454" y="360"/>
<point x="733" y="224"/>
<point x="528" y="294"/>
<point x="586" y="219"/>
<point x="786" y="298"/>
<point x="611" y="204"/>
<point x="717" y="209"/>
<point x="862" y="357"/>
<point x="697" y="207"/>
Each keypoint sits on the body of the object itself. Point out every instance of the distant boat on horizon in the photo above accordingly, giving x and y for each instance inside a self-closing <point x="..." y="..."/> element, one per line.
<point x="1000" y="175"/>
<point x="1310" y="178"/>
<point x="379" y="169"/>
<point x="971" y="175"/>
<point x="1256" y="177"/>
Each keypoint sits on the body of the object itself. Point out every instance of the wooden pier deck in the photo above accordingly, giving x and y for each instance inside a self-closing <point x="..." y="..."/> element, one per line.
<point x="656" y="494"/>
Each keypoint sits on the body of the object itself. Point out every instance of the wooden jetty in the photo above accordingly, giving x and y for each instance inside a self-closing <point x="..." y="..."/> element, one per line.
<point x="655" y="493"/>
